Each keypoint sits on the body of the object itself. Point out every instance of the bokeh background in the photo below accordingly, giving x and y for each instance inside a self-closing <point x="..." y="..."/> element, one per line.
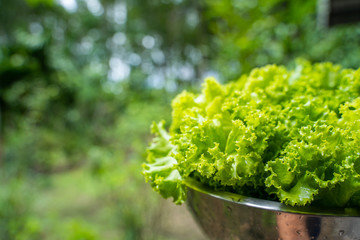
<point x="82" y="80"/>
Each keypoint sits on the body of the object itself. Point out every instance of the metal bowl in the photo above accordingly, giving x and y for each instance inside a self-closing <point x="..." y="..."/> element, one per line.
<point x="224" y="215"/>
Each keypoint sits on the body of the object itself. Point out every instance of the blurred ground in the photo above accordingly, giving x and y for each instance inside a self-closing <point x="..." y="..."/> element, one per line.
<point x="178" y="223"/>
<point x="89" y="209"/>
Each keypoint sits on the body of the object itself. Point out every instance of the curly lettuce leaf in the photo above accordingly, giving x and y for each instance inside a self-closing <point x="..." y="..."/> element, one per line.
<point x="161" y="169"/>
<point x="308" y="166"/>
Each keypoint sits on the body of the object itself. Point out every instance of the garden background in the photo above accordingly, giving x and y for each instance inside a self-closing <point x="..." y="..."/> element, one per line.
<point x="82" y="80"/>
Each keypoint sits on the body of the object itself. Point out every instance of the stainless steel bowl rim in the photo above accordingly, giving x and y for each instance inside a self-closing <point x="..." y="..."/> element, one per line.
<point x="271" y="205"/>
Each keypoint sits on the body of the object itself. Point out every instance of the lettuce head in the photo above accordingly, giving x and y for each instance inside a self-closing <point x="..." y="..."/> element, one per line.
<point x="291" y="135"/>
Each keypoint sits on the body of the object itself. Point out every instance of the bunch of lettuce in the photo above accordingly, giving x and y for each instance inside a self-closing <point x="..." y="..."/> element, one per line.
<point x="286" y="135"/>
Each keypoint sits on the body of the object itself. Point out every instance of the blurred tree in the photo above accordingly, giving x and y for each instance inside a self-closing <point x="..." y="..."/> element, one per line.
<point x="70" y="72"/>
<point x="79" y="86"/>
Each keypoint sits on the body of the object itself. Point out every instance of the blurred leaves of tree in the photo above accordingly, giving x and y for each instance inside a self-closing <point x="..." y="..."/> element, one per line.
<point x="249" y="34"/>
<point x="37" y="2"/>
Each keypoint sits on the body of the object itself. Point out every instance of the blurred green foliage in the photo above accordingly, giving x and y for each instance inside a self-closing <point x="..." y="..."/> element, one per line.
<point x="81" y="81"/>
<point x="249" y="34"/>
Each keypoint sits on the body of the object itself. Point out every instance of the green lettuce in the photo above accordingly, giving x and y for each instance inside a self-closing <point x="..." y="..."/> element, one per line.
<point x="291" y="135"/>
